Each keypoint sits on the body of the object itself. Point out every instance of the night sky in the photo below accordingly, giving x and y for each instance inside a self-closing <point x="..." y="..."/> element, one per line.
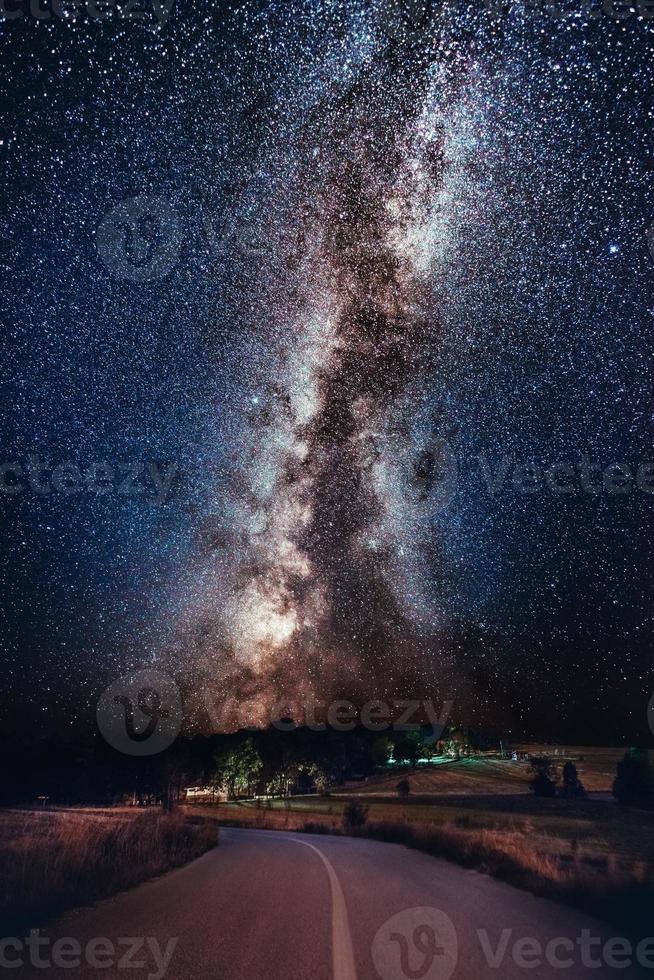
<point x="309" y="277"/>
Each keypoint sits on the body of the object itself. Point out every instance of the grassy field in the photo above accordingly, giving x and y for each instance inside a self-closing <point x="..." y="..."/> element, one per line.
<point x="51" y="860"/>
<point x="493" y="776"/>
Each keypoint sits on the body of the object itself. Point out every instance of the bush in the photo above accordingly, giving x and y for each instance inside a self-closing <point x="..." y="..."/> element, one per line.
<point x="355" y="815"/>
<point x="403" y="788"/>
<point x="544" y="781"/>
<point x="634" y="781"/>
<point x="572" y="786"/>
<point x="407" y="749"/>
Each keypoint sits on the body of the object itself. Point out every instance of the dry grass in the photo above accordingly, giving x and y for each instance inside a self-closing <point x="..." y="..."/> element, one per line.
<point x="55" y="859"/>
<point x="616" y="889"/>
<point x="230" y="815"/>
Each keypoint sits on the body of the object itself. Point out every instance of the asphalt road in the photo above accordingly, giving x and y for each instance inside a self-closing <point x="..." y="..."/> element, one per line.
<point x="286" y="906"/>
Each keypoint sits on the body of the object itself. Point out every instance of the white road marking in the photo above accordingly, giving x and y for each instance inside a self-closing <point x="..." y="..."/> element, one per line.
<point x="342" y="955"/>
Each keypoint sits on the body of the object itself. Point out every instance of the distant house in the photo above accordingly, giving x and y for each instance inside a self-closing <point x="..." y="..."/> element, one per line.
<point x="205" y="794"/>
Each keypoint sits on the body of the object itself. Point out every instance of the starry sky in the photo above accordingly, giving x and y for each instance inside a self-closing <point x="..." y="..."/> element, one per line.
<point x="293" y="294"/>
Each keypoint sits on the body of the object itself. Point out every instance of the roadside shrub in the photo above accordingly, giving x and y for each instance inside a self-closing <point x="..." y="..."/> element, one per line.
<point x="403" y="788"/>
<point x="355" y="816"/>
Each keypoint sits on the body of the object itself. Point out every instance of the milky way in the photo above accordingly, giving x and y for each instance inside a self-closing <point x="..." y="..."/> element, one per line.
<point x="330" y="515"/>
<point x="412" y="247"/>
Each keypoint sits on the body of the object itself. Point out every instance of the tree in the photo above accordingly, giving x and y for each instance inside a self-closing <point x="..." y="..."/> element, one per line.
<point x="312" y="778"/>
<point x="407" y="748"/>
<point x="455" y="743"/>
<point x="544" y="781"/>
<point x="634" y="780"/>
<point x="572" y="786"/>
<point x="381" y="750"/>
<point x="249" y="765"/>
<point x="238" y="768"/>
<point x="403" y="788"/>
<point x="178" y="769"/>
<point x="282" y="757"/>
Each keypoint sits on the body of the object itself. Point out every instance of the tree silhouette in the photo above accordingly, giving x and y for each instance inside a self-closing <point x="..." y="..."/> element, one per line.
<point x="634" y="781"/>
<point x="572" y="786"/>
<point x="544" y="781"/>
